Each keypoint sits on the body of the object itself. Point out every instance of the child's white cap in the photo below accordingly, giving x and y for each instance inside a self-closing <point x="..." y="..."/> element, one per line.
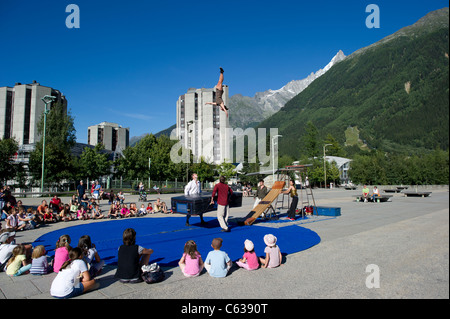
<point x="270" y="240"/>
<point x="249" y="245"/>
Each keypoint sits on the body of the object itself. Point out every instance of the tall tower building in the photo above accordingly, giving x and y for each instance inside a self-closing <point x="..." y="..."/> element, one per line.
<point x="113" y="136"/>
<point x="21" y="109"/>
<point x="203" y="128"/>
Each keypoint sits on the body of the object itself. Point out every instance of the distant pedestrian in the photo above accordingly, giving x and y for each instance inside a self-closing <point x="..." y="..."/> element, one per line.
<point x="98" y="192"/>
<point x="80" y="191"/>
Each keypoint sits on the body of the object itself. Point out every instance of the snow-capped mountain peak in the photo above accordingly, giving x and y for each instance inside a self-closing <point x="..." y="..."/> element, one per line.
<point x="276" y="99"/>
<point x="265" y="104"/>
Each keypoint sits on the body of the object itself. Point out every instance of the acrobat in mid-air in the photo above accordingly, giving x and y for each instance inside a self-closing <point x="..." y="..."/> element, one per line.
<point x="219" y="93"/>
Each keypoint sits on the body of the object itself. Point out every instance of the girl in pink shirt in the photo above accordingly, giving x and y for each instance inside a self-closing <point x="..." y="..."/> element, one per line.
<point x="191" y="263"/>
<point x="61" y="252"/>
<point x="125" y="212"/>
<point x="249" y="261"/>
<point x="81" y="213"/>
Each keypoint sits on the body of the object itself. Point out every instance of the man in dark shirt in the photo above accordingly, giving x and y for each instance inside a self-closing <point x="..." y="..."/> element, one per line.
<point x="80" y="191"/>
<point x="261" y="192"/>
<point x="223" y="191"/>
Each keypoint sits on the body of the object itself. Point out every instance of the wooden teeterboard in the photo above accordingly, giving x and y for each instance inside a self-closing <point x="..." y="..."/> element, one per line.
<point x="265" y="203"/>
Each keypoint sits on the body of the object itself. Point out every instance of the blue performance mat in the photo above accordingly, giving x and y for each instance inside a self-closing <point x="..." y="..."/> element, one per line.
<point x="167" y="236"/>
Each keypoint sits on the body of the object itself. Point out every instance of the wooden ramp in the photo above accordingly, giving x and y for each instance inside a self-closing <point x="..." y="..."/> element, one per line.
<point x="265" y="203"/>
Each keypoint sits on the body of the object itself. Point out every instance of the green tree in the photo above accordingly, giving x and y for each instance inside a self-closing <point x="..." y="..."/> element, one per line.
<point x="204" y="170"/>
<point x="332" y="173"/>
<point x="285" y="160"/>
<point x="135" y="161"/>
<point x="59" y="139"/>
<point x="311" y="141"/>
<point x="8" y="170"/>
<point x="92" y="163"/>
<point x="335" y="149"/>
<point x="250" y="168"/>
<point x="226" y="170"/>
<point x="315" y="172"/>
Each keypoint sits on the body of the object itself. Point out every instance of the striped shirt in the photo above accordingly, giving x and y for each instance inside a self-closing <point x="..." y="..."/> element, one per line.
<point x="39" y="266"/>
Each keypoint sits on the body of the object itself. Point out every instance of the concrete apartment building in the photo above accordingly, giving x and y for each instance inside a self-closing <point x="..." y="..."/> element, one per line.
<point x="113" y="136"/>
<point x="203" y="128"/>
<point x="21" y="109"/>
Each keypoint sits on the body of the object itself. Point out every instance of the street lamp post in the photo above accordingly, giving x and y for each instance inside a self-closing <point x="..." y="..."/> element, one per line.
<point x="149" y="165"/>
<point x="273" y="157"/>
<point x="48" y="99"/>
<point x="324" y="164"/>
<point x="189" y="146"/>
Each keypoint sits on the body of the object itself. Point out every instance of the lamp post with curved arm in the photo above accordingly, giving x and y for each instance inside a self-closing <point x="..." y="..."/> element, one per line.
<point x="47" y="99"/>
<point x="324" y="165"/>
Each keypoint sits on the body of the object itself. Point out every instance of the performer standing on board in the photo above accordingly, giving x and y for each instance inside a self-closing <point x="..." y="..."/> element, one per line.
<point x="191" y="189"/>
<point x="292" y="190"/>
<point x="219" y="93"/>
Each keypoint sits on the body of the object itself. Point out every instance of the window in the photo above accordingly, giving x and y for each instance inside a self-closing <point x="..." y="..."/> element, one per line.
<point x="8" y="114"/>
<point x="100" y="135"/>
<point x="27" y="115"/>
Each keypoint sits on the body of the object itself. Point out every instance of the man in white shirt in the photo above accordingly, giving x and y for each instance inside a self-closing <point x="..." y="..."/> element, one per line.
<point x="193" y="188"/>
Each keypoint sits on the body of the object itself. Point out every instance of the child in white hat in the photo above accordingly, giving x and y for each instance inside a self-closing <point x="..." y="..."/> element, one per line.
<point x="273" y="253"/>
<point x="249" y="261"/>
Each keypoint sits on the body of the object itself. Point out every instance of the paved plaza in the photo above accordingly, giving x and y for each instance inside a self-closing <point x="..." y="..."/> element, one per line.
<point x="406" y="239"/>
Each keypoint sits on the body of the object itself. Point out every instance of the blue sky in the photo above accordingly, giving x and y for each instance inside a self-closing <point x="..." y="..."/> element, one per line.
<point x="130" y="60"/>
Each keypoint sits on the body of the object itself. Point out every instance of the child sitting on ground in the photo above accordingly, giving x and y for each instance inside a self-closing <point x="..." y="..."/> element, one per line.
<point x="160" y="206"/>
<point x="91" y="256"/>
<point x="133" y="210"/>
<point x="61" y="252"/>
<point x="142" y="211"/>
<point x="273" y="253"/>
<point x="12" y="221"/>
<point x="24" y="220"/>
<point x="149" y="209"/>
<point x="96" y="212"/>
<point x="65" y="214"/>
<point x="73" y="278"/>
<point x="81" y="213"/>
<point x="39" y="263"/>
<point x="249" y="261"/>
<point x="18" y="264"/>
<point x="74" y="208"/>
<point x="113" y="211"/>
<point x="131" y="258"/>
<point x="125" y="212"/>
<point x="48" y="216"/>
<point x="191" y="263"/>
<point x="217" y="263"/>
